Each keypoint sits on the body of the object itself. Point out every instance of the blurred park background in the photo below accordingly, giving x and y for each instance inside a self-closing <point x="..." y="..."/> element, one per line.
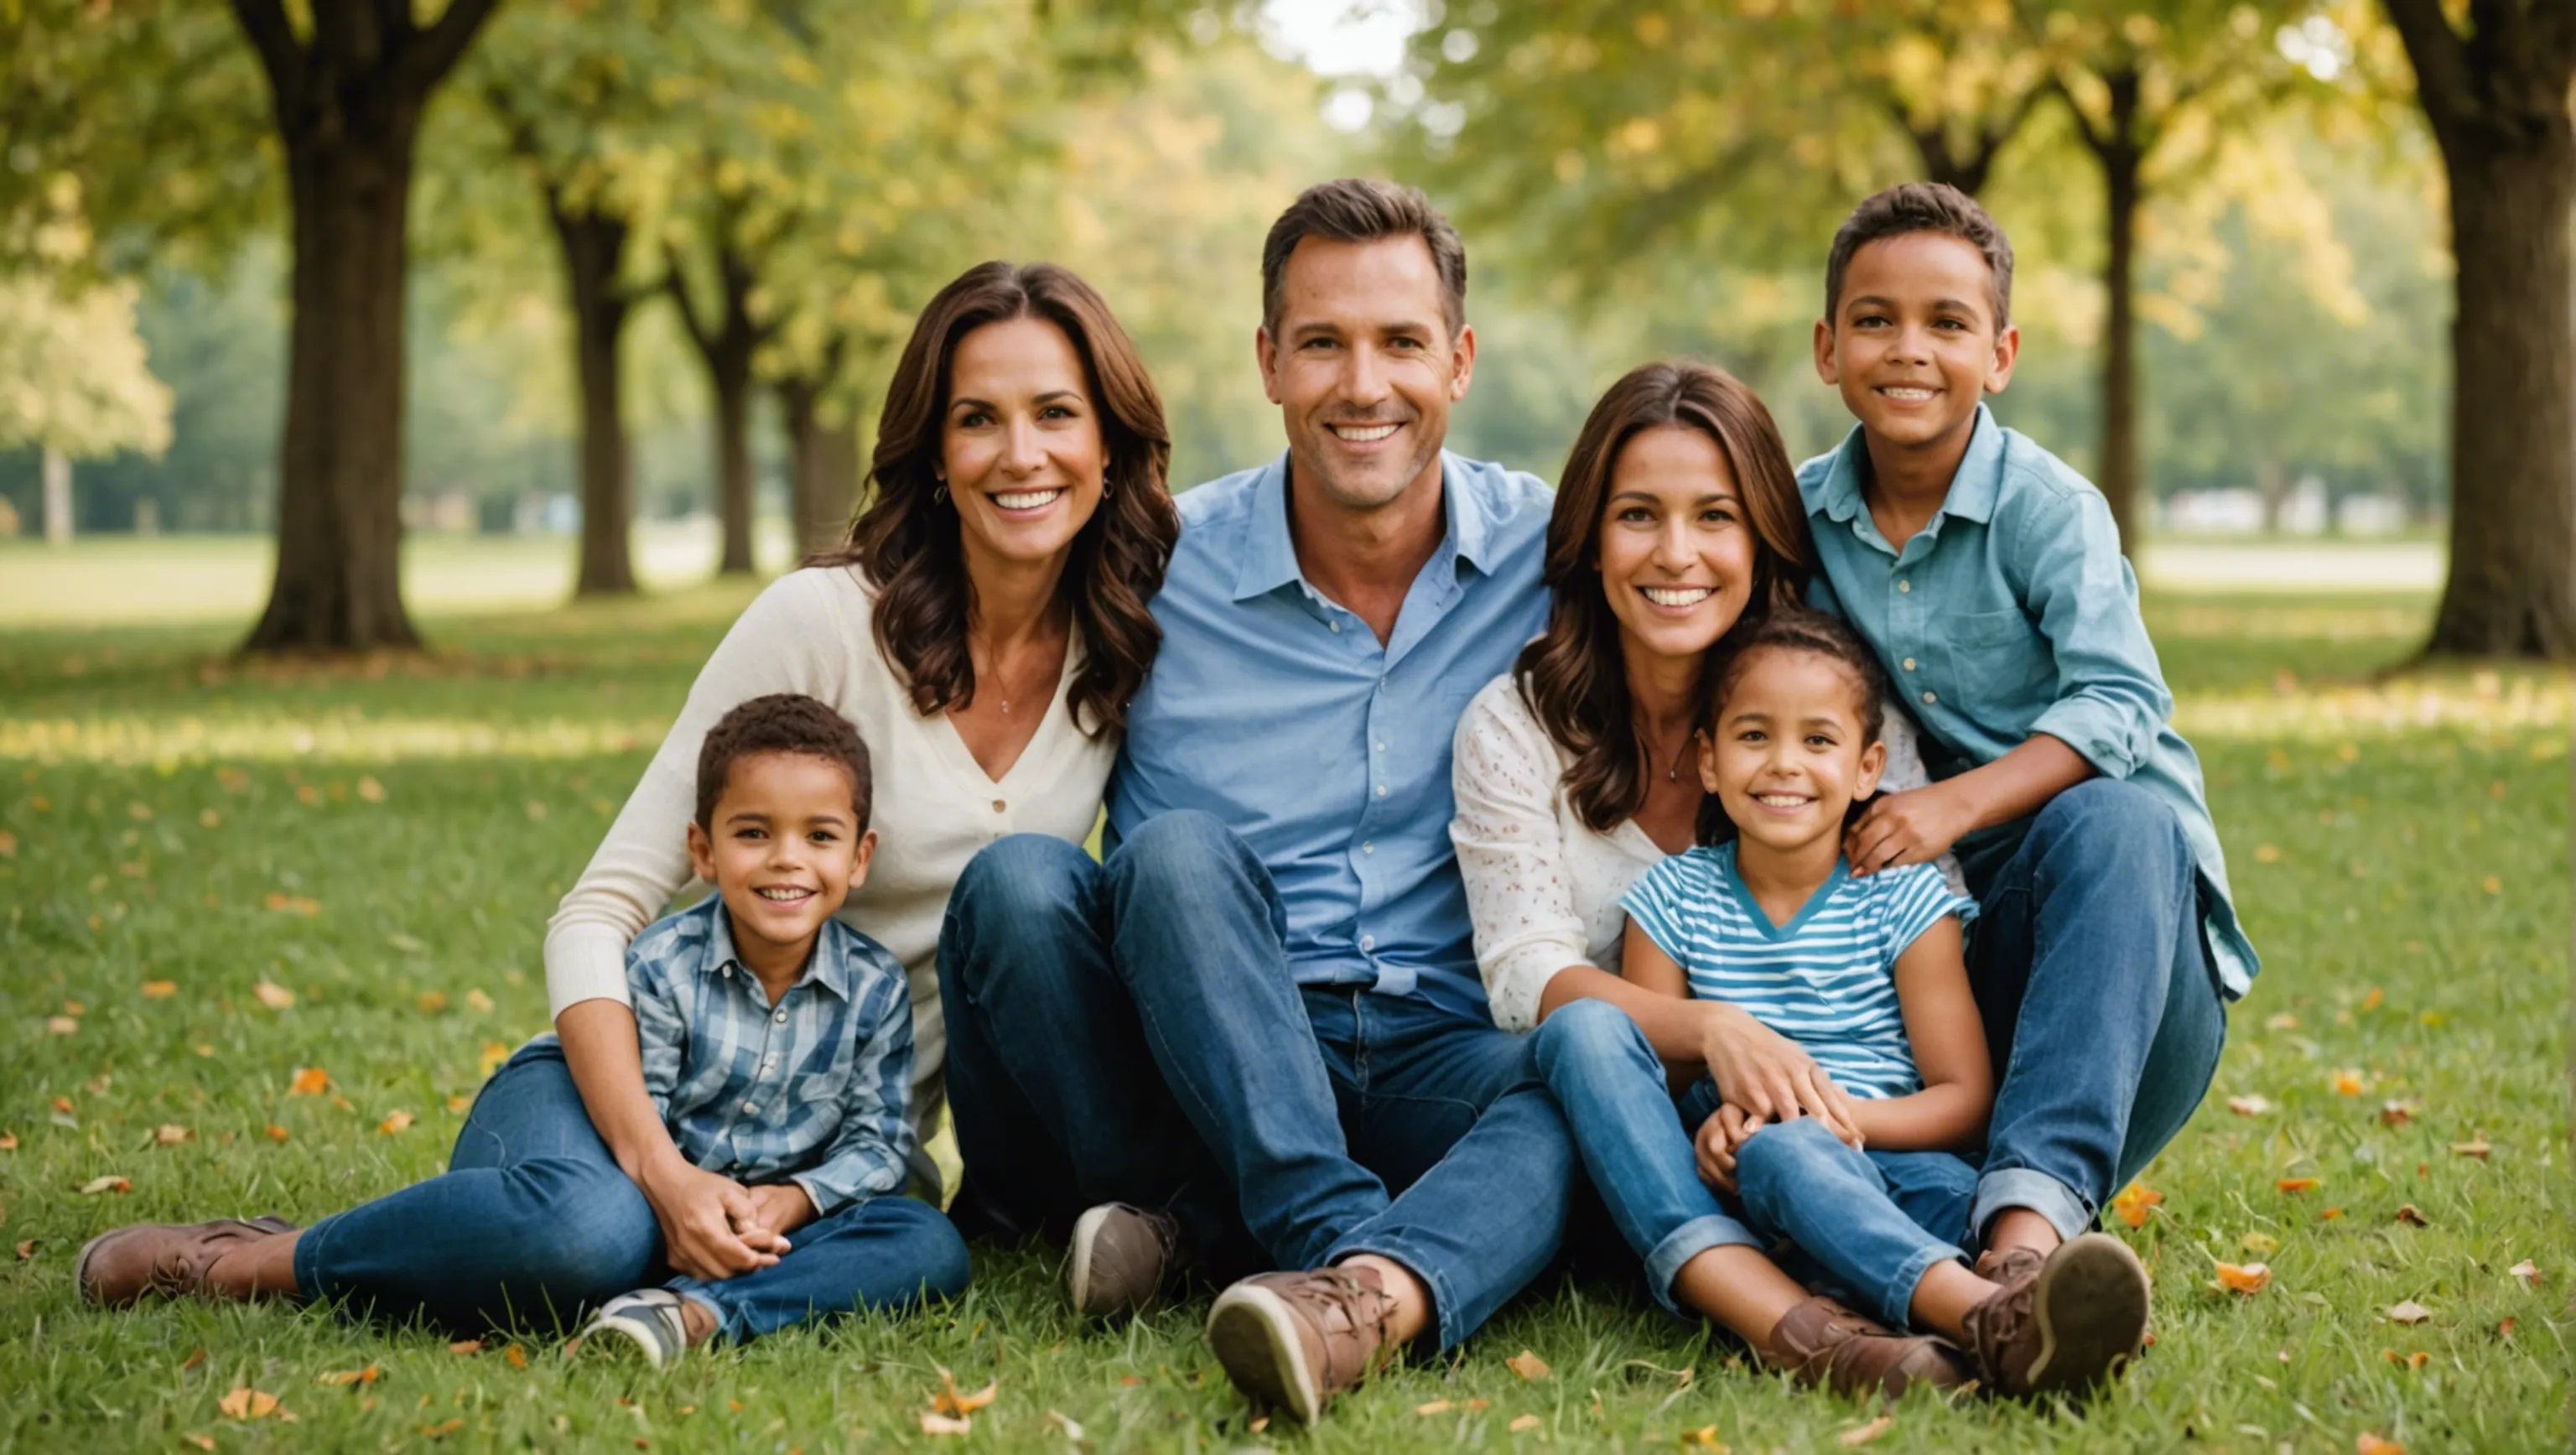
<point x="580" y="297"/>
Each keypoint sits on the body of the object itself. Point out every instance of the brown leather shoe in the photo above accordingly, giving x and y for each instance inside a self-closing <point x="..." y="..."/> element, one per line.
<point x="1822" y="1342"/>
<point x="1122" y="1257"/>
<point x="2003" y="1265"/>
<point x="116" y="1269"/>
<point x="2074" y="1322"/>
<point x="1294" y="1340"/>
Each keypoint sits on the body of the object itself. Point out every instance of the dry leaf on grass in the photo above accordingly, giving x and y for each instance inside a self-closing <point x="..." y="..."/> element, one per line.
<point x="276" y="1133"/>
<point x="1850" y="1439"/>
<point x="1434" y="1407"/>
<point x="167" y="1135"/>
<point x="2527" y="1271"/>
<point x="478" y="1002"/>
<point x="1071" y="1427"/>
<point x="2409" y="1216"/>
<point x="273" y="995"/>
<point x="8" y="1141"/>
<point x="443" y="1428"/>
<point x="949" y="1402"/>
<point x="247" y="1403"/>
<point x="1525" y="1424"/>
<point x="2281" y="1022"/>
<point x="2259" y="1243"/>
<point x="2244" y="1277"/>
<point x="431" y="1002"/>
<point x="2367" y="1443"/>
<point x="61" y="1025"/>
<point x="517" y="1356"/>
<point x="308" y="1081"/>
<point x="2295" y="1184"/>
<point x="294" y="904"/>
<point x="2133" y="1202"/>
<point x="160" y="989"/>
<point x="2249" y="1106"/>
<point x="2409" y="1312"/>
<point x="202" y="1442"/>
<point x="1706" y="1438"/>
<point x="2396" y="1113"/>
<point x="27" y="1250"/>
<point x="368" y="1375"/>
<point x="2477" y="1148"/>
<point x="109" y="1183"/>
<point x="370" y="790"/>
<point x="1528" y="1366"/>
<point x="2349" y="1083"/>
<point x="395" y="1123"/>
<point x="466" y="1346"/>
<point x="935" y="1423"/>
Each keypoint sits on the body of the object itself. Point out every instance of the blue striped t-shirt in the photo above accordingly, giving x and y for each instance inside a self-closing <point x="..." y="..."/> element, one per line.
<point x="1826" y="979"/>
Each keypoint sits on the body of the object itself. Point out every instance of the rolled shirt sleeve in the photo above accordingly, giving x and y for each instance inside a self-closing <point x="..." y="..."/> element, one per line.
<point x="1504" y="775"/>
<point x="868" y="1156"/>
<point x="2111" y="700"/>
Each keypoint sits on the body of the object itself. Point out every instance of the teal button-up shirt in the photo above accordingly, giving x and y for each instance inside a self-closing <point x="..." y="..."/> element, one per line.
<point x="2011" y="613"/>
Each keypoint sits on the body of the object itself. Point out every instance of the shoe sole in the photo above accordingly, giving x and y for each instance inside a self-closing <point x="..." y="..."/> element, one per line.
<point x="647" y="1341"/>
<point x="80" y="1271"/>
<point x="2091" y="1307"/>
<point x="1086" y="1234"/>
<point x="1254" y="1334"/>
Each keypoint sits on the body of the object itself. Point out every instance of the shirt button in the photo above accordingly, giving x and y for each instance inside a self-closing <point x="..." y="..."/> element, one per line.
<point x="1337" y="627"/>
<point x="1381" y="790"/>
<point x="1929" y="699"/>
<point x="781" y="1017"/>
<point x="1381" y="747"/>
<point x="1909" y="664"/>
<point x="1904" y="587"/>
<point x="1369" y="848"/>
<point x="999" y="806"/>
<point x="749" y="1108"/>
<point x="1368" y="942"/>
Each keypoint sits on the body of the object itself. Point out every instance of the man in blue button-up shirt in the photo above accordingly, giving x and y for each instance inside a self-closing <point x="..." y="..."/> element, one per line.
<point x="1261" y="1014"/>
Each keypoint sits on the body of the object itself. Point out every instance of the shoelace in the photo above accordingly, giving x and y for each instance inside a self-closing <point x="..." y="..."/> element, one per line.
<point x="1360" y="1306"/>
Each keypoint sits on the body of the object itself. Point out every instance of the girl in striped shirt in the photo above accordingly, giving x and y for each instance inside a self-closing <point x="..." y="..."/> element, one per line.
<point x="1863" y="983"/>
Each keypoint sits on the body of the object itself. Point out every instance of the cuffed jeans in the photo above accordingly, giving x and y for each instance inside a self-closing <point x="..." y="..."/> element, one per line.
<point x="1129" y="1031"/>
<point x="533" y="1218"/>
<point x="1870" y="1222"/>
<point x="2100" y="1008"/>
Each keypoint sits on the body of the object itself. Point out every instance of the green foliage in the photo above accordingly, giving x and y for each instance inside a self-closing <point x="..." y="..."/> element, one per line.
<point x="2416" y="877"/>
<point x="73" y="377"/>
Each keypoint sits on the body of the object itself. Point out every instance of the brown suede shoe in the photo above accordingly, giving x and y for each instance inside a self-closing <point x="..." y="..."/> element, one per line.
<point x="1122" y="1257"/>
<point x="2076" y="1321"/>
<point x="1294" y="1340"/>
<point x="1822" y="1342"/>
<point x="116" y="1269"/>
<point x="2003" y="1265"/>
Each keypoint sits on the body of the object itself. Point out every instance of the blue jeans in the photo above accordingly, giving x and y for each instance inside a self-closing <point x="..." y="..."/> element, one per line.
<point x="1129" y="1031"/>
<point x="534" y="1219"/>
<point x="1870" y="1222"/>
<point x="2101" y="1011"/>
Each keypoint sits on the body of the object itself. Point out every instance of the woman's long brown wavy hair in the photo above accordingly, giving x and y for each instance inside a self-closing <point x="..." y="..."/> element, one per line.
<point x="1574" y="677"/>
<point x="907" y="543"/>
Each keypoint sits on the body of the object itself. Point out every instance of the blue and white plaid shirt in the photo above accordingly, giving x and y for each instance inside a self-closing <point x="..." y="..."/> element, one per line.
<point x="810" y="1090"/>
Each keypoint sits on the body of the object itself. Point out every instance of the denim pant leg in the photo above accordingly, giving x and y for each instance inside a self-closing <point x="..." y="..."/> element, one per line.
<point x="532" y="1218"/>
<point x="1056" y="1099"/>
<point x="883" y="1252"/>
<point x="1453" y="1109"/>
<point x="1611" y="1085"/>
<point x="1197" y="937"/>
<point x="2100" y="1009"/>
<point x="1799" y="1181"/>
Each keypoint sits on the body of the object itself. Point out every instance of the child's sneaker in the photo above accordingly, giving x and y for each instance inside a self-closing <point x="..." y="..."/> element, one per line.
<point x="649" y="1319"/>
<point x="1820" y="1342"/>
<point x="1122" y="1256"/>
<point x="2077" y="1321"/>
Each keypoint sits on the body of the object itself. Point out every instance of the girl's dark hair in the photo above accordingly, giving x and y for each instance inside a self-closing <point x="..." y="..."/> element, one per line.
<point x="1573" y="676"/>
<point x="1789" y="629"/>
<point x="906" y="541"/>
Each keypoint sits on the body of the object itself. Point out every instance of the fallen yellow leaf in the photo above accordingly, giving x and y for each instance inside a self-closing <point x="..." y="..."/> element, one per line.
<point x="368" y="1375"/>
<point x="370" y="790"/>
<point x="459" y="1103"/>
<point x="479" y="1002"/>
<point x="2244" y="1278"/>
<point x="443" y="1428"/>
<point x="394" y="1125"/>
<point x="517" y="1356"/>
<point x="61" y="1025"/>
<point x="1524" y="1424"/>
<point x="160" y="989"/>
<point x="309" y="1081"/>
<point x="27" y="1250"/>
<point x="109" y="1183"/>
<point x="494" y="1053"/>
<point x="949" y="1402"/>
<point x="2249" y="1106"/>
<point x="2527" y="1271"/>
<point x="2492" y="885"/>
<point x="2263" y="1243"/>
<point x="2281" y="1022"/>
<point x="2409" y="1216"/>
<point x="2267" y="853"/>
<point x="247" y="1403"/>
<point x="2367" y="1443"/>
<point x="2371" y="1000"/>
<point x="168" y="1135"/>
<point x="2478" y="1149"/>
<point x="202" y="1442"/>
<point x="1528" y="1366"/>
<point x="1434" y="1407"/>
<point x="466" y="1346"/>
<point x="1852" y="1439"/>
<point x="276" y="1133"/>
<point x="431" y="1002"/>
<point x="935" y="1423"/>
<point x="295" y="904"/>
<point x="2396" y="1113"/>
<point x="273" y="995"/>
<point x="2295" y="1184"/>
<point x="2348" y="1083"/>
<point x="1705" y="1437"/>
<point x="8" y="1141"/>
<point x="2133" y="1202"/>
<point x="2409" y="1312"/>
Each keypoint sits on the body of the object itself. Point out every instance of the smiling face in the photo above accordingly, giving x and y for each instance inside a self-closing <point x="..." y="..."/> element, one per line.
<point x="1020" y="443"/>
<point x="1363" y="368"/>
<point x="1676" y="553"/>
<point x="1913" y="343"/>
<point x="783" y="847"/>
<point x="1787" y="755"/>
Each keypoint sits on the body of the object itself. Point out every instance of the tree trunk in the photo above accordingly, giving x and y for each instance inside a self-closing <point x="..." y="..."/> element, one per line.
<point x="823" y="460"/>
<point x="2271" y="489"/>
<point x="2512" y="591"/>
<point x="2119" y="471"/>
<point x="594" y="249"/>
<point x="58" y="498"/>
<point x="338" y="585"/>
<point x="727" y="345"/>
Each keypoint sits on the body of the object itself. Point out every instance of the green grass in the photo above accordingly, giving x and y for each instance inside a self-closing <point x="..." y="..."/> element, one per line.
<point x="2399" y="850"/>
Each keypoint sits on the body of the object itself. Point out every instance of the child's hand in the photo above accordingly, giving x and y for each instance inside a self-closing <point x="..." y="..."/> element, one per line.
<point x="1767" y="1074"/>
<point x="703" y="1217"/>
<point x="1720" y="1138"/>
<point x="1914" y="827"/>
<point x="779" y="1208"/>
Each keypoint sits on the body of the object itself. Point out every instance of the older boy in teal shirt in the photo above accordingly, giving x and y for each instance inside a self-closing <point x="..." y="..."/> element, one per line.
<point x="1987" y="576"/>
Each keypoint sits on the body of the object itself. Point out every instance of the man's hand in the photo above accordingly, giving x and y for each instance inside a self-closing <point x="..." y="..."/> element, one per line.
<point x="704" y="1217"/>
<point x="1914" y="827"/>
<point x="781" y="1208"/>
<point x="1765" y="1073"/>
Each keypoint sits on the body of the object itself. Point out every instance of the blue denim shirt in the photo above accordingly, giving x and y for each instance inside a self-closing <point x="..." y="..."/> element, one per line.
<point x="1278" y="712"/>
<point x="810" y="1090"/>
<point x="2011" y="613"/>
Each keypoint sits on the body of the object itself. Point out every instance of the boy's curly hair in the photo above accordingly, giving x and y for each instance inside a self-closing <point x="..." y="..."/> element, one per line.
<point x="1786" y="629"/>
<point x="1912" y="207"/>
<point x="782" y="722"/>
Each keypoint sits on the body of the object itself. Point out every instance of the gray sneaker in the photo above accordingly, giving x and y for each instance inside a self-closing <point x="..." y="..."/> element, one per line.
<point x="1121" y="1256"/>
<point x="648" y="1319"/>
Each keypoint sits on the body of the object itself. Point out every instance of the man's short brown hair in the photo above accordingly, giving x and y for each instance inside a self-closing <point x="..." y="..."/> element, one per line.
<point x="782" y="722"/>
<point x="1358" y="209"/>
<point x="1923" y="207"/>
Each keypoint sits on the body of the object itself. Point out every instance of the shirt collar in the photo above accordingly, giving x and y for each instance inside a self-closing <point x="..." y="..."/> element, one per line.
<point x="827" y="965"/>
<point x="1973" y="487"/>
<point x="1270" y="557"/>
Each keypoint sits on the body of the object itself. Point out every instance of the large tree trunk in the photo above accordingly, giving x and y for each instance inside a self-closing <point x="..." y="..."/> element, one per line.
<point x="2119" y="471"/>
<point x="823" y="463"/>
<point x="727" y="344"/>
<point x="2512" y="587"/>
<point x="594" y="249"/>
<point x="348" y="104"/>
<point x="338" y="585"/>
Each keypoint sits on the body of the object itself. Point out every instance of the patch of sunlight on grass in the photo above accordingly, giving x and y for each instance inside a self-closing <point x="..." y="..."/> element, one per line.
<point x="2485" y="704"/>
<point x="343" y="736"/>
